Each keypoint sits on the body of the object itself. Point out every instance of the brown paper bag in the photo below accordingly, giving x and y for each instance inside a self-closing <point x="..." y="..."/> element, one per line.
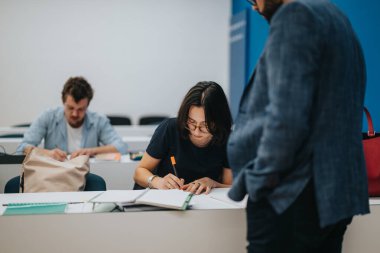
<point x="41" y="173"/>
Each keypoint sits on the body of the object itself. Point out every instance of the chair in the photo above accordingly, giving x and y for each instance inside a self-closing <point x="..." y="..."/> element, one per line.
<point x="22" y="125"/>
<point x="15" y="135"/>
<point x="93" y="183"/>
<point x="152" y="119"/>
<point x="119" y="120"/>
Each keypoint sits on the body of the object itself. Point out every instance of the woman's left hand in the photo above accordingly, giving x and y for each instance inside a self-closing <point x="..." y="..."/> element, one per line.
<point x="204" y="184"/>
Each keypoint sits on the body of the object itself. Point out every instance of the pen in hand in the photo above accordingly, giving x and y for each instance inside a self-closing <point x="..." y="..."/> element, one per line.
<point x="180" y="184"/>
<point x="172" y="159"/>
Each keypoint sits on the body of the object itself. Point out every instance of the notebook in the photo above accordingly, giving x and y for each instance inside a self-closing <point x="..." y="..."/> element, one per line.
<point x="172" y="199"/>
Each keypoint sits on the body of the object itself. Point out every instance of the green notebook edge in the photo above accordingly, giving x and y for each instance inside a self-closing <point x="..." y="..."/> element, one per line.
<point x="187" y="202"/>
<point x="35" y="208"/>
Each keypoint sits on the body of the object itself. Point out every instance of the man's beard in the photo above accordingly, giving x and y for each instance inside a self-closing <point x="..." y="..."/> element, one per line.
<point x="270" y="8"/>
<point x="76" y="123"/>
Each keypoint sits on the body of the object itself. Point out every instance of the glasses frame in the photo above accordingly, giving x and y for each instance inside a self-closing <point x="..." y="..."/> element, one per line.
<point x="202" y="128"/>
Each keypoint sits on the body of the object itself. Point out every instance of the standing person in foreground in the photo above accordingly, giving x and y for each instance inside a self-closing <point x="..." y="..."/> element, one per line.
<point x="189" y="152"/>
<point x="296" y="148"/>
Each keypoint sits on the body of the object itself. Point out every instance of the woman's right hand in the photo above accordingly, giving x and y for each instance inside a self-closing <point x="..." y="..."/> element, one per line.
<point x="169" y="181"/>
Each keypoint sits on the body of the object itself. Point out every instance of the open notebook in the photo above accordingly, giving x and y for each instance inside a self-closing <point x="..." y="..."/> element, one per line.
<point x="173" y="199"/>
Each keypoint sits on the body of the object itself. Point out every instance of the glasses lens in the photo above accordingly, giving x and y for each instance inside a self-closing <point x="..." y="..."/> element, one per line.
<point x="203" y="129"/>
<point x="192" y="127"/>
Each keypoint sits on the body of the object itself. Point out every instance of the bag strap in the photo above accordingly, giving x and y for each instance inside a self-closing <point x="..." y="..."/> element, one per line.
<point x="370" y="131"/>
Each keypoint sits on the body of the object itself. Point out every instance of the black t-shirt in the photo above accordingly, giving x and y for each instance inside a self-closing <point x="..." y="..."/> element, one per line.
<point x="192" y="162"/>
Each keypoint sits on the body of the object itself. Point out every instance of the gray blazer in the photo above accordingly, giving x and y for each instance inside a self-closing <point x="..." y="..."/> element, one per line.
<point x="300" y="117"/>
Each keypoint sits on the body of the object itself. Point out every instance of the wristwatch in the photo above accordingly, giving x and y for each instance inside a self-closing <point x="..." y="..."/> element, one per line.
<point x="150" y="179"/>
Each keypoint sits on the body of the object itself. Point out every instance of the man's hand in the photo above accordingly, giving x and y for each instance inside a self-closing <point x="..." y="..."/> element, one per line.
<point x="57" y="154"/>
<point x="83" y="151"/>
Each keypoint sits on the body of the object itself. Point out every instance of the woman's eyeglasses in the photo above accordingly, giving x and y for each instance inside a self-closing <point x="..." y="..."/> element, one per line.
<point x="192" y="126"/>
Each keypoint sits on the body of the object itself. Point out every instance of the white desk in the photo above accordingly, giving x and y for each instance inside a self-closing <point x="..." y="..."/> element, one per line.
<point x="161" y="231"/>
<point x="118" y="175"/>
<point x="133" y="130"/>
<point x="13" y="130"/>
<point x="210" y="230"/>
<point x="134" y="143"/>
<point x="363" y="233"/>
<point x="10" y="144"/>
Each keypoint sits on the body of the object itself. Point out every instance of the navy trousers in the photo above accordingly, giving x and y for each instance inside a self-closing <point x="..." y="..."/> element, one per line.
<point x="295" y="231"/>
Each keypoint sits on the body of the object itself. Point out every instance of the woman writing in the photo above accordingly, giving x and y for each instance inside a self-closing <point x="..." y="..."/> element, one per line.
<point x="189" y="152"/>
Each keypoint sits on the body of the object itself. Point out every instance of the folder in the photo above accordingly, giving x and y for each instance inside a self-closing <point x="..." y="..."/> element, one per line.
<point x="171" y="199"/>
<point x="34" y="208"/>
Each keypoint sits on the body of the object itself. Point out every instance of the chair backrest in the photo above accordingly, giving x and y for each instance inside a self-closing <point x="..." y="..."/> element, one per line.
<point x="22" y="125"/>
<point x="119" y="120"/>
<point x="15" y="135"/>
<point x="152" y="119"/>
<point x="93" y="183"/>
<point x="13" y="185"/>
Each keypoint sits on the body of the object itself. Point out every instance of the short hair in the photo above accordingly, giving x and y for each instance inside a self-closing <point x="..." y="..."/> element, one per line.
<point x="211" y="97"/>
<point x="78" y="88"/>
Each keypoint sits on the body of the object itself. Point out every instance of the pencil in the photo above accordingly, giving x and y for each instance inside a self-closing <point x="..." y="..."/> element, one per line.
<point x="172" y="159"/>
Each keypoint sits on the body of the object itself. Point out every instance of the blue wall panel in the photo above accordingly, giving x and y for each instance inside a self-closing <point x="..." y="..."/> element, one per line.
<point x="238" y="59"/>
<point x="366" y="22"/>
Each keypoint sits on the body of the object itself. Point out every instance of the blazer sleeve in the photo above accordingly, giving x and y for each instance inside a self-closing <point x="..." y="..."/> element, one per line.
<point x="292" y="55"/>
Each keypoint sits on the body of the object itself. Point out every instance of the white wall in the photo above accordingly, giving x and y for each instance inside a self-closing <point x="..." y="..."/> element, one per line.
<point x="141" y="56"/>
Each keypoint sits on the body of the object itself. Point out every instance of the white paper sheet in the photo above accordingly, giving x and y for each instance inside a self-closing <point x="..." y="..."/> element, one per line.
<point x="48" y="197"/>
<point x="118" y="196"/>
<point x="221" y="194"/>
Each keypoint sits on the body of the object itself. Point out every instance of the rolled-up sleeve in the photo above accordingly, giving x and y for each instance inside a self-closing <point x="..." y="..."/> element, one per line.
<point x="36" y="133"/>
<point x="109" y="136"/>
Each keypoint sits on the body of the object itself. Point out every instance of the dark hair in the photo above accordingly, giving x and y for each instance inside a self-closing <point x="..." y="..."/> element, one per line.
<point x="78" y="88"/>
<point x="211" y="97"/>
